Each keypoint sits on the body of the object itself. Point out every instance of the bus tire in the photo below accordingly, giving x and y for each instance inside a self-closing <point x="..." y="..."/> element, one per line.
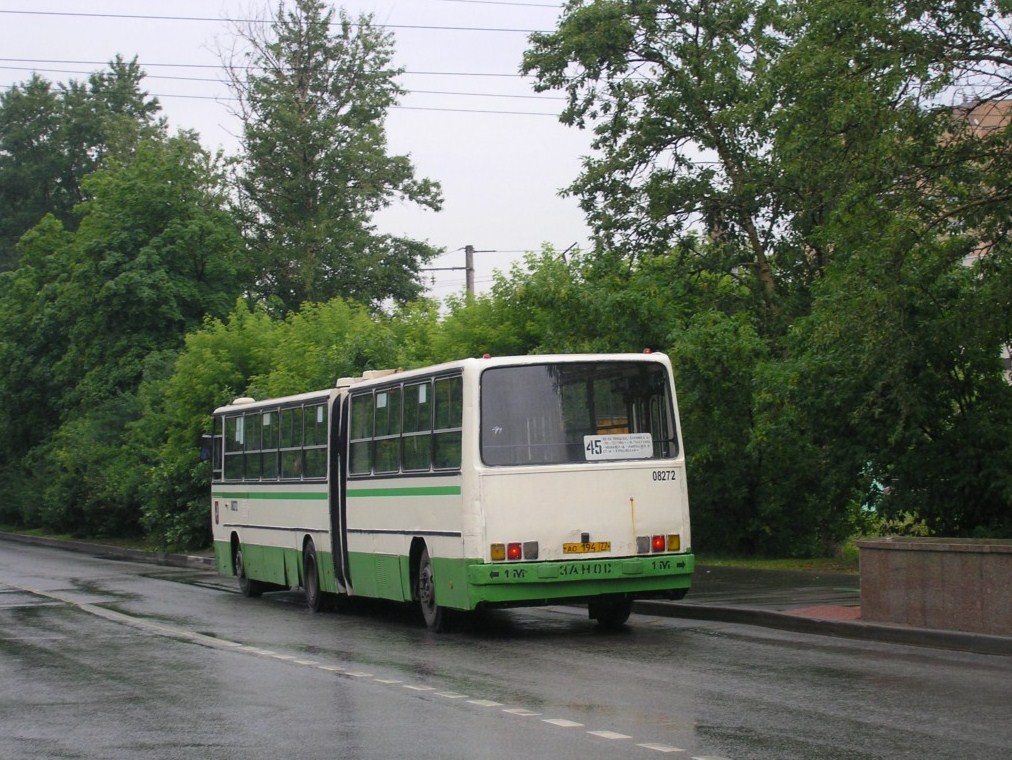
<point x="311" y="579"/>
<point x="610" y="614"/>
<point x="247" y="586"/>
<point x="435" y="616"/>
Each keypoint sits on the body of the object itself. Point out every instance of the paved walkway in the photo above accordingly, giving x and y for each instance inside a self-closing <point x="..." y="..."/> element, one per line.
<point x="805" y="602"/>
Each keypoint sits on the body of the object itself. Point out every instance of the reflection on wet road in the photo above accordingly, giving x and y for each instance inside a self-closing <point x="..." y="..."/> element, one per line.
<point x="112" y="659"/>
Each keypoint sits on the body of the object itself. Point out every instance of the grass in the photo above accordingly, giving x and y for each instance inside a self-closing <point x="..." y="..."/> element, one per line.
<point x="846" y="564"/>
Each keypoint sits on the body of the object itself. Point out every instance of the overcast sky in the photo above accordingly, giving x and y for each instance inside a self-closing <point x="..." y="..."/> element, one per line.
<point x="469" y="121"/>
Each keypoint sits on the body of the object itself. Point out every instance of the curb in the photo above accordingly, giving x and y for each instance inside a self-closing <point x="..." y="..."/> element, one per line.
<point x="977" y="643"/>
<point x="106" y="551"/>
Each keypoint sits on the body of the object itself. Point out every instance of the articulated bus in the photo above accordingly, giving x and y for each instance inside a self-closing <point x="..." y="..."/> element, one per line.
<point x="481" y="483"/>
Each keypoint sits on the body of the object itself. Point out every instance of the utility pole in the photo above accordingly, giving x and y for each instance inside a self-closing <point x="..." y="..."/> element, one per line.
<point x="469" y="268"/>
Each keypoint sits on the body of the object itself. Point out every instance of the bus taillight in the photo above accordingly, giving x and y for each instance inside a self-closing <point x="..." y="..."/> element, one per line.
<point x="658" y="543"/>
<point x="514" y="551"/>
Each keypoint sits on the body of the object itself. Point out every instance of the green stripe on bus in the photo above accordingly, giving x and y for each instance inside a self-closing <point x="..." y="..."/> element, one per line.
<point x="299" y="495"/>
<point x="421" y="491"/>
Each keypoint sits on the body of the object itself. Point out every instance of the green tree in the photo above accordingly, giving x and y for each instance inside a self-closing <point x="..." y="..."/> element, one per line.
<point x="52" y="137"/>
<point x="248" y="353"/>
<point x="314" y="92"/>
<point x="675" y="95"/>
<point x="835" y="155"/>
<point x="153" y="252"/>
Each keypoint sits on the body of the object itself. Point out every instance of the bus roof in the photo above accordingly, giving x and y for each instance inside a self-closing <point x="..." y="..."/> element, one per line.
<point x="385" y="376"/>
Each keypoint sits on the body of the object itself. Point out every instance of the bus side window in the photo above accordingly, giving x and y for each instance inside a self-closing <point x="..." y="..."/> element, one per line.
<point x="316" y="441"/>
<point x="234" y="447"/>
<point x="251" y="422"/>
<point x="418" y="426"/>
<point x="388" y="430"/>
<point x="360" y="453"/>
<point x="291" y="443"/>
<point x="269" y="427"/>
<point x="449" y="414"/>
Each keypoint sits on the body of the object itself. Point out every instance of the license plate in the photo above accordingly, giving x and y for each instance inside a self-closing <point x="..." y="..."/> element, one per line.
<point x="587" y="547"/>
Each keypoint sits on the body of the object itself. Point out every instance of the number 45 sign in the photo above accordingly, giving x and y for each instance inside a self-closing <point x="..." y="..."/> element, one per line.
<point x="628" y="446"/>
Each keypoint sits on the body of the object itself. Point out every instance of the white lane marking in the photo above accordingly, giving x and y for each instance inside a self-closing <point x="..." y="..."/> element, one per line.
<point x="387" y="680"/>
<point x="609" y="735"/>
<point x="216" y="643"/>
<point x="419" y="688"/>
<point x="661" y="747"/>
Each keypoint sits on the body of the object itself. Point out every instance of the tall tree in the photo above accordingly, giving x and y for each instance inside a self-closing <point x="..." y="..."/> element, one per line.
<point x="153" y="252"/>
<point x="674" y="94"/>
<point x="849" y="157"/>
<point x="52" y="137"/>
<point x="314" y="91"/>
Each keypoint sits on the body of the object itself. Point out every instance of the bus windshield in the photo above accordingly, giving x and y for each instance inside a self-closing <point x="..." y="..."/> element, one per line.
<point x="576" y="412"/>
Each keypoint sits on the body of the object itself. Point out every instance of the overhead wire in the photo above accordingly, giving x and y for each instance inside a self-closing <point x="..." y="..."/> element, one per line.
<point x="153" y="17"/>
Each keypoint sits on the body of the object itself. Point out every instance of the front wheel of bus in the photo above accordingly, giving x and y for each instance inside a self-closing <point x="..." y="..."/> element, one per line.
<point x="435" y="616"/>
<point x="247" y="586"/>
<point x="311" y="579"/>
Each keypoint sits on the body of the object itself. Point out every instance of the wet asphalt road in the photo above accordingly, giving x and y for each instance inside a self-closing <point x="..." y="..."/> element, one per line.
<point x="105" y="659"/>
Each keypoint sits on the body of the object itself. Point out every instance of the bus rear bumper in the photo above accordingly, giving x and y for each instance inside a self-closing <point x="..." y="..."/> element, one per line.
<point x="524" y="583"/>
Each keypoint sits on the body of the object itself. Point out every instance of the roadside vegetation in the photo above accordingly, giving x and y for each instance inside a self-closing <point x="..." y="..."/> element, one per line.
<point x="795" y="201"/>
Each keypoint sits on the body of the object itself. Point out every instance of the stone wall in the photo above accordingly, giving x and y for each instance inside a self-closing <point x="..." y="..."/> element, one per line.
<point x="943" y="583"/>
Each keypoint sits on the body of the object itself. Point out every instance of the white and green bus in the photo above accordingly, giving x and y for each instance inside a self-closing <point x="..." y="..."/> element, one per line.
<point x="494" y="482"/>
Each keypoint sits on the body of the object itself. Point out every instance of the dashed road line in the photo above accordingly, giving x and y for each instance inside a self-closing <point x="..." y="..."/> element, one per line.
<point x="181" y="634"/>
<point x="563" y="723"/>
<point x="520" y="711"/>
<point x="660" y="747"/>
<point x="609" y="735"/>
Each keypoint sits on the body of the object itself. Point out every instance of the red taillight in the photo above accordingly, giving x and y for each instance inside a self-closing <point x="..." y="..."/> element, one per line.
<point x="514" y="551"/>
<point x="658" y="543"/>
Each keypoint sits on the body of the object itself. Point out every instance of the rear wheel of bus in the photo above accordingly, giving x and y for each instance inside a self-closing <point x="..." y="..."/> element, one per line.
<point x="610" y="613"/>
<point x="435" y="616"/>
<point x="311" y="579"/>
<point x="247" y="586"/>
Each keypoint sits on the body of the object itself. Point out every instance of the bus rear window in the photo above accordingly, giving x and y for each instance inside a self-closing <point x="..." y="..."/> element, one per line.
<point x="576" y="412"/>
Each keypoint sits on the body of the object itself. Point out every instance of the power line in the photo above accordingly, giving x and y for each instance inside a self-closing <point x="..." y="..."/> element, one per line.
<point x="149" y="17"/>
<point x="219" y="81"/>
<point x="503" y="2"/>
<point x="64" y="62"/>
<point x="231" y="99"/>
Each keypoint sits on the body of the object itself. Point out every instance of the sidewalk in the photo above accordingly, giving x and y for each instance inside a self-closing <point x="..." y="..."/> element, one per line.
<point x="803" y="602"/>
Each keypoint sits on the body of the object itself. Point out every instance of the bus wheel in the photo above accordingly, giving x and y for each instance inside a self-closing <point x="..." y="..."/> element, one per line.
<point x="311" y="579"/>
<point x="611" y="613"/>
<point x="435" y="616"/>
<point x="247" y="586"/>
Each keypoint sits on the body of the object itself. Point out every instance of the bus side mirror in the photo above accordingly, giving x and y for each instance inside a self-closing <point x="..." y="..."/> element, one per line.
<point x="206" y="441"/>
